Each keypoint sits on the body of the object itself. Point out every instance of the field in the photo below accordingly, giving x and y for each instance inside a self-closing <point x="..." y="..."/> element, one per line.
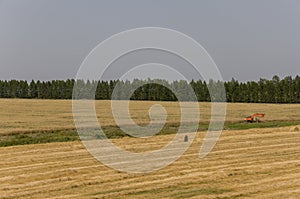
<point x="256" y="163"/>
<point x="21" y="115"/>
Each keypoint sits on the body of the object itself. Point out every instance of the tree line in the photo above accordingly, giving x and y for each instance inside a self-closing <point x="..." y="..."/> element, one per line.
<point x="276" y="90"/>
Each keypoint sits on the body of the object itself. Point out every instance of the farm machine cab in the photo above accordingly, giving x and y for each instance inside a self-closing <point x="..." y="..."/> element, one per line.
<point x="254" y="117"/>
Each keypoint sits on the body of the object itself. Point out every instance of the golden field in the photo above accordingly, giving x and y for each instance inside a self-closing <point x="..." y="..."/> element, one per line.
<point x="254" y="163"/>
<point x="21" y="115"/>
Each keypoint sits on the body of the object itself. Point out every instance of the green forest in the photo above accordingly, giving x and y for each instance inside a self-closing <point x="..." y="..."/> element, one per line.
<point x="276" y="90"/>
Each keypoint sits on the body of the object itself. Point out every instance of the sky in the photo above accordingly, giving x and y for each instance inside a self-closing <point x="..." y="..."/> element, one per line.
<point x="247" y="39"/>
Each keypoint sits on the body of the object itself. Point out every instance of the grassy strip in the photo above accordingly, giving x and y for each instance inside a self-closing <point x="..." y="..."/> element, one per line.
<point x="113" y="132"/>
<point x="38" y="137"/>
<point x="269" y="124"/>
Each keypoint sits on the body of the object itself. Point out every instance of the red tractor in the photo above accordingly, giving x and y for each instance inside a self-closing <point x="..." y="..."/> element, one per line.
<point x="254" y="117"/>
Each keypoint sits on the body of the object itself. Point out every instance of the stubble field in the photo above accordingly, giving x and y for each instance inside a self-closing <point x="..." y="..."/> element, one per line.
<point x="21" y="115"/>
<point x="256" y="163"/>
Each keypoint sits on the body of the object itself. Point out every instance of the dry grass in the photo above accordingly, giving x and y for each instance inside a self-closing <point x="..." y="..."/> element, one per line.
<point x="21" y="115"/>
<point x="256" y="163"/>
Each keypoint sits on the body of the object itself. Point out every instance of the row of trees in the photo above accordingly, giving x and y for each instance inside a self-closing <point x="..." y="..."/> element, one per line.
<point x="277" y="90"/>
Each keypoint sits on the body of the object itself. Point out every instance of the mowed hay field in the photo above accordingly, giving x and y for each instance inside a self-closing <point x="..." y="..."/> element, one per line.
<point x="256" y="163"/>
<point x="21" y="115"/>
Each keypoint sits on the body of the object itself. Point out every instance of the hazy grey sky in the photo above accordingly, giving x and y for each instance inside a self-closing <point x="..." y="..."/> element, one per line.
<point x="248" y="39"/>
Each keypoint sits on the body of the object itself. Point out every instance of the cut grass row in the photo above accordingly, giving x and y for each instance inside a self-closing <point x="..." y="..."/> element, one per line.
<point x="255" y="163"/>
<point x="114" y="132"/>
